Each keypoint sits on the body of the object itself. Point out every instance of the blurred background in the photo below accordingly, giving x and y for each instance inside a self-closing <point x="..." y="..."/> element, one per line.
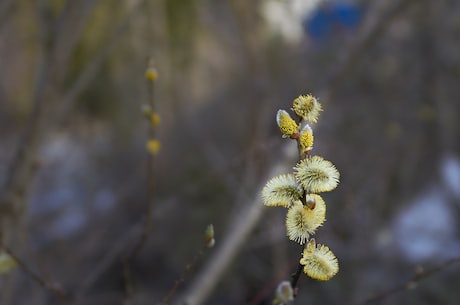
<point x="73" y="158"/>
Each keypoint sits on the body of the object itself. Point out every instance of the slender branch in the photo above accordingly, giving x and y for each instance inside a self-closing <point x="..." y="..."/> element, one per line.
<point x="411" y="283"/>
<point x="147" y="224"/>
<point x="113" y="255"/>
<point x="241" y="227"/>
<point x="48" y="285"/>
<point x="181" y="279"/>
<point x="374" y="27"/>
<point x="150" y="183"/>
<point x="94" y="64"/>
<point x="296" y="276"/>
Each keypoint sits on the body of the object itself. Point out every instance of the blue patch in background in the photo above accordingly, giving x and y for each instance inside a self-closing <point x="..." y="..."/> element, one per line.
<point x="329" y="18"/>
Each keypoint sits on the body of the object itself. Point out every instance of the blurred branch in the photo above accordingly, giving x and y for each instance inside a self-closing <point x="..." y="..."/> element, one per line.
<point x="238" y="232"/>
<point x="50" y="68"/>
<point x="51" y="63"/>
<point x="188" y="267"/>
<point x="6" y="7"/>
<point x="94" y="65"/>
<point x="411" y="283"/>
<point x="46" y="284"/>
<point x="150" y="183"/>
<point x="18" y="175"/>
<point x="113" y="255"/>
<point x="68" y="30"/>
<point x="373" y="27"/>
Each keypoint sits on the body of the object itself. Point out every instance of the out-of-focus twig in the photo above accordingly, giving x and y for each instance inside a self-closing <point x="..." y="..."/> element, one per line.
<point x="240" y="229"/>
<point x="89" y="73"/>
<point x="51" y="65"/>
<point x="6" y="7"/>
<point x="47" y="284"/>
<point x="181" y="279"/>
<point x="147" y="224"/>
<point x="411" y="283"/>
<point x="20" y="168"/>
<point x="51" y="68"/>
<point x="382" y="14"/>
<point x="113" y="255"/>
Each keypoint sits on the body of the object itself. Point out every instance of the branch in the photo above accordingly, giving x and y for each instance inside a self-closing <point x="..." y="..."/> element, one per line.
<point x="148" y="221"/>
<point x="241" y="227"/>
<point x="411" y="283"/>
<point x="46" y="284"/>
<point x="372" y="29"/>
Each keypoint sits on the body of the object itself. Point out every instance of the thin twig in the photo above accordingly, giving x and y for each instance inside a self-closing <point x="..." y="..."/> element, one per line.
<point x="181" y="279"/>
<point x="296" y="276"/>
<point x="49" y="285"/>
<point x="147" y="224"/>
<point x="418" y="277"/>
<point x="86" y="77"/>
<point x="241" y="226"/>
<point x="113" y="255"/>
<point x="370" y="33"/>
<point x="50" y="69"/>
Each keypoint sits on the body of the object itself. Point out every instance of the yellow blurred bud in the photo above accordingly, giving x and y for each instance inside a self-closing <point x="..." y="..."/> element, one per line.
<point x="155" y="119"/>
<point x="151" y="74"/>
<point x="6" y="263"/>
<point x="153" y="146"/>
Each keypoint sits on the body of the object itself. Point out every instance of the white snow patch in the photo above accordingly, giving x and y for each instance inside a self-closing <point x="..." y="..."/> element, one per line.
<point x="427" y="228"/>
<point x="286" y="17"/>
<point x="450" y="170"/>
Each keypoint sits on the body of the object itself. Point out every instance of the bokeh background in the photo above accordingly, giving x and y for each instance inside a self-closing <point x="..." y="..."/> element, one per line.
<point x="73" y="158"/>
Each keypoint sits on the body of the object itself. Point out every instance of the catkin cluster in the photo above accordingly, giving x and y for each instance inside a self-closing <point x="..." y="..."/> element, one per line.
<point x="299" y="191"/>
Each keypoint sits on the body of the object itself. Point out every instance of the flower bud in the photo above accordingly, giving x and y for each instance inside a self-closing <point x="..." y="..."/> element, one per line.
<point x="155" y="119"/>
<point x="6" y="262"/>
<point x="209" y="240"/>
<point x="151" y="74"/>
<point x="284" y="293"/>
<point x="153" y="146"/>
<point x="306" y="139"/>
<point x="287" y="125"/>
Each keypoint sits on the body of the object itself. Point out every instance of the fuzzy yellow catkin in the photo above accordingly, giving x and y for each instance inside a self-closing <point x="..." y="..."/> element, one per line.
<point x="316" y="174"/>
<point x="281" y="191"/>
<point x="319" y="262"/>
<point x="307" y="107"/>
<point x="302" y="221"/>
